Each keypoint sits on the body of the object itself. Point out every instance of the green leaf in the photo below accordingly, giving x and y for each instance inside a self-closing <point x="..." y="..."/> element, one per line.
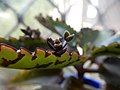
<point x="62" y="26"/>
<point x="87" y="36"/>
<point x="10" y="57"/>
<point x="108" y="58"/>
<point x="57" y="26"/>
<point x="105" y="37"/>
<point x="32" y="44"/>
<point x="111" y="49"/>
<point x="29" y="44"/>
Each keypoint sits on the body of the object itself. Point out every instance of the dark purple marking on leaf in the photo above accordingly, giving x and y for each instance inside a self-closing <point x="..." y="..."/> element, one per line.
<point x="34" y="57"/>
<point x="20" y="56"/>
<point x="6" y="45"/>
<point x="50" y="43"/>
<point x="59" y="53"/>
<point x="26" y="50"/>
<point x="5" y="63"/>
<point x="47" y="54"/>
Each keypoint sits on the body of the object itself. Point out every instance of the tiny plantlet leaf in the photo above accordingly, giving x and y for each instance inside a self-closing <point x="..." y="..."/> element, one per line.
<point x="31" y="33"/>
<point x="59" y="45"/>
<point x="66" y="34"/>
<point x="69" y="38"/>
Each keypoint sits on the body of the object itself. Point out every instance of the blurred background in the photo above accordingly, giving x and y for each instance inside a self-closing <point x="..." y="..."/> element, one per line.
<point x="17" y="14"/>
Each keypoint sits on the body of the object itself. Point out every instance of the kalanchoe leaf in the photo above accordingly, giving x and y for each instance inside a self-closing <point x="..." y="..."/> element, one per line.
<point x="88" y="38"/>
<point x="50" y="40"/>
<point x="27" y="31"/>
<point x="27" y="41"/>
<point x="10" y="57"/>
<point x="35" y="34"/>
<point x="91" y="37"/>
<point x="70" y="37"/>
<point x="59" y="45"/>
<point x="59" y="53"/>
<point x="105" y="37"/>
<point x="46" y="22"/>
<point x="87" y="35"/>
<point x="32" y="56"/>
<point x="31" y="33"/>
<point x="108" y="59"/>
<point x="57" y="41"/>
<point x="111" y="49"/>
<point x="50" y="43"/>
<point x="55" y="26"/>
<point x="66" y="34"/>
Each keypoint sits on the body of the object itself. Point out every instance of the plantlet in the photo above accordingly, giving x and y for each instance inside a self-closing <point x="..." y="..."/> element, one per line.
<point x="25" y="59"/>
